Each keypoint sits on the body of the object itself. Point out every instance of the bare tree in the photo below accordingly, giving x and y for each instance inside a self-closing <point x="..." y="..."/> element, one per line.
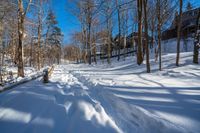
<point x="151" y="14"/>
<point x="107" y="11"/>
<point x="124" y="26"/>
<point x="87" y="13"/>
<point x="159" y="32"/>
<point x="179" y="31"/>
<point x="197" y="41"/>
<point x="139" y="47"/>
<point x="146" y="36"/>
<point x="6" y="12"/>
<point x="2" y="15"/>
<point x="119" y="28"/>
<point x="40" y="8"/>
<point x="164" y="11"/>
<point x="39" y="28"/>
<point x="21" y="17"/>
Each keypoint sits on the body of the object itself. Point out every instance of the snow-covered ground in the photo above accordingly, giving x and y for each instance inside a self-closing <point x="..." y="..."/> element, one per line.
<point x="12" y="79"/>
<point x="186" y="45"/>
<point x="101" y="98"/>
<point x="8" y="70"/>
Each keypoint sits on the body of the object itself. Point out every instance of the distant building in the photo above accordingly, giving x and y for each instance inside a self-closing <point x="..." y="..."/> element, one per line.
<point x="131" y="45"/>
<point x="134" y="37"/>
<point x="188" y="25"/>
<point x="131" y="39"/>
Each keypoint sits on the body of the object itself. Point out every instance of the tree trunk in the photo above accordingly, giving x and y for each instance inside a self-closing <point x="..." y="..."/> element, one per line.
<point x="94" y="53"/>
<point x="146" y="36"/>
<point x="139" y="47"/>
<point x="89" y="44"/>
<point x="197" y="41"/>
<point x="179" y="32"/>
<point x="31" y="54"/>
<point x="159" y="34"/>
<point x="109" y="36"/>
<point x="1" y="50"/>
<point x="39" y="41"/>
<point x="84" y="52"/>
<point x="159" y="47"/>
<point x="196" y="54"/>
<point x="109" y="50"/>
<point x="152" y="33"/>
<point x="119" y="29"/>
<point x="21" y="35"/>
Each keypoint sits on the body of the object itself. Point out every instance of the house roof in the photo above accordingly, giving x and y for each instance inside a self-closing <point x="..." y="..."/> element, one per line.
<point x="188" y="18"/>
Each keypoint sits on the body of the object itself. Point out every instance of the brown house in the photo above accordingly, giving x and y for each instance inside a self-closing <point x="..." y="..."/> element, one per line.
<point x="188" y="25"/>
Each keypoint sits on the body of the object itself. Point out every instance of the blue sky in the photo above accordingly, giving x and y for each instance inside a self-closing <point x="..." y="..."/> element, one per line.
<point x="68" y="23"/>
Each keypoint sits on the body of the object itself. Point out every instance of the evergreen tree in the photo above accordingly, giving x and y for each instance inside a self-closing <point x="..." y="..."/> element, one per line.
<point x="189" y="6"/>
<point x="54" y="37"/>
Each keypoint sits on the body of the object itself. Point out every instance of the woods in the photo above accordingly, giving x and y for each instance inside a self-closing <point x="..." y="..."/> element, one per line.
<point x="125" y="26"/>
<point x="29" y="35"/>
<point x="109" y="30"/>
<point x="99" y="66"/>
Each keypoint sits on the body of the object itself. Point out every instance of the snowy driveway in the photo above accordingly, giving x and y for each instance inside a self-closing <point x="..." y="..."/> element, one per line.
<point x="64" y="105"/>
<point x="86" y="100"/>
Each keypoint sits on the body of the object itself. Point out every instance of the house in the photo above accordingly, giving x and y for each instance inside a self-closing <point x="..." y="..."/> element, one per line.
<point x="131" y="40"/>
<point x="188" y="25"/>
<point x="101" y="46"/>
<point x="134" y="37"/>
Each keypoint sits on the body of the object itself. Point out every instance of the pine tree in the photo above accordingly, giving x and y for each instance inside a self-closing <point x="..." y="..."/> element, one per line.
<point x="54" y="36"/>
<point x="50" y="22"/>
<point x="189" y="6"/>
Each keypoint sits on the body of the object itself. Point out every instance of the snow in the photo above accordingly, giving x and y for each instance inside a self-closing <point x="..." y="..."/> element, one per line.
<point x="101" y="98"/>
<point x="29" y="74"/>
<point x="11" y="74"/>
<point x="186" y="45"/>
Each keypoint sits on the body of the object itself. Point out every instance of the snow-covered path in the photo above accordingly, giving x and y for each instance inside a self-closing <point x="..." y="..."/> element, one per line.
<point x="87" y="99"/>
<point x="172" y="95"/>
<point x="64" y="105"/>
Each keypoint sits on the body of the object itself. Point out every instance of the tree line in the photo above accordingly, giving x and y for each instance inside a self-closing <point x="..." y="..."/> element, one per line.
<point x="106" y="25"/>
<point x="29" y="34"/>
